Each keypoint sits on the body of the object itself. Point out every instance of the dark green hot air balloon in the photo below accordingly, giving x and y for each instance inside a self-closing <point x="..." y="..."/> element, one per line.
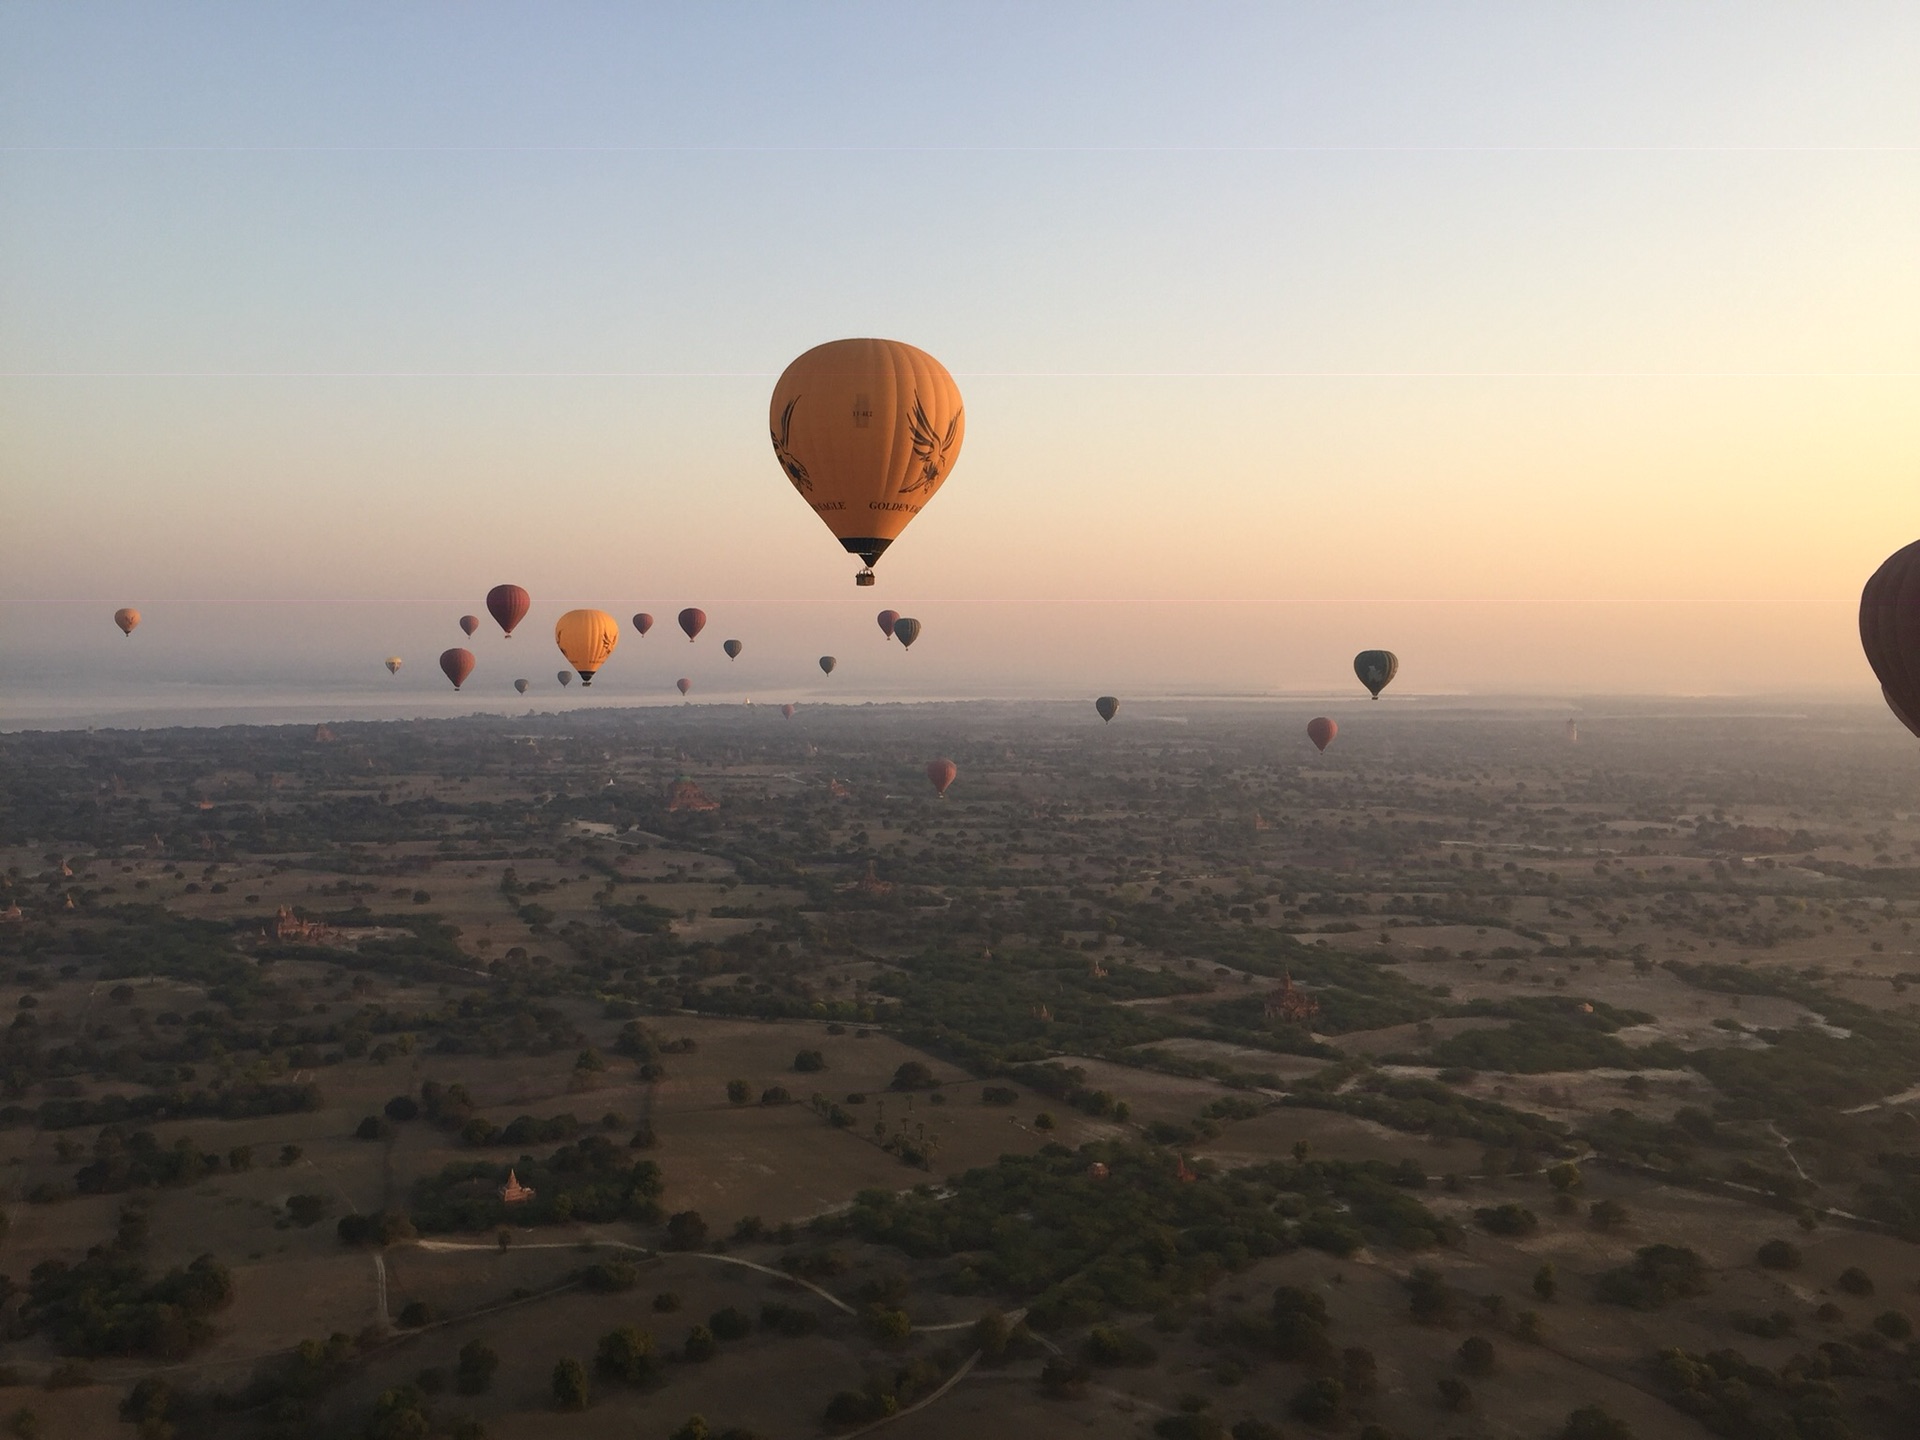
<point x="906" y="630"/>
<point x="1107" y="706"/>
<point x="1376" y="669"/>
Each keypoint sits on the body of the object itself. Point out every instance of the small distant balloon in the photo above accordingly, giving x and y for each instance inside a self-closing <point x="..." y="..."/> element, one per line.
<point x="1321" y="731"/>
<point x="565" y="677"/>
<point x="786" y="712"/>
<point x="521" y="686"/>
<point x="693" y="622"/>
<point x="906" y="631"/>
<point x="469" y="623"/>
<point x="643" y="622"/>
<point x="941" y="772"/>
<point x="1107" y="706"/>
<point x="508" y="604"/>
<point x="683" y="684"/>
<point x="1376" y="669"/>
<point x="586" y="638"/>
<point x="888" y="618"/>
<point x="393" y="664"/>
<point x="457" y="665"/>
<point x="1573" y="732"/>
<point x="827" y="662"/>
<point x="128" y="620"/>
<point x="733" y="648"/>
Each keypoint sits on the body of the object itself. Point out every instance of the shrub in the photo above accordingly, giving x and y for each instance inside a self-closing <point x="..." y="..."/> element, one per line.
<point x="1432" y="1301"/>
<point x="776" y="1095"/>
<point x="1063" y="1379"/>
<point x="570" y="1385"/>
<point x="626" y="1353"/>
<point x="999" y="1095"/>
<point x="1595" y="1422"/>
<point x="475" y="1370"/>
<point x="1108" y="1345"/>
<point x="1507" y="1220"/>
<point x="686" y="1231"/>
<point x="1855" y="1281"/>
<point x="700" y="1345"/>
<point x="1658" y="1275"/>
<point x="1454" y="1393"/>
<point x="809" y="1062"/>
<point x="1476" y="1355"/>
<point x="1546" y="1284"/>
<point x="1893" y="1325"/>
<point x="1608" y="1215"/>
<point x="373" y="1128"/>
<point x="730" y="1324"/>
<point x="912" y="1075"/>
<point x="402" y="1108"/>
<point x="1320" y="1402"/>
<point x="1779" y="1255"/>
<point x="1193" y="1425"/>
<point x="609" y="1277"/>
<point x="739" y="1092"/>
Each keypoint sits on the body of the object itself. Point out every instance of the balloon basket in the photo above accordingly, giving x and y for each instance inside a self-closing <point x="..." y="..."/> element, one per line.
<point x="865" y="577"/>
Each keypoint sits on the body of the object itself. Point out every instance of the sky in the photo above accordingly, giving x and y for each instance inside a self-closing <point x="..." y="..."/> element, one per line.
<point x="1287" y="310"/>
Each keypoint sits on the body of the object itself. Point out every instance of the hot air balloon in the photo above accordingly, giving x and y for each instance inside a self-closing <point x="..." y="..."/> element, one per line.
<point x="393" y="664"/>
<point x="867" y="431"/>
<point x="1573" y="732"/>
<point x="1321" y="731"/>
<point x="786" y="712"/>
<point x="128" y="620"/>
<point x="1890" y="632"/>
<point x="508" y="606"/>
<point x="1107" y="706"/>
<point x="683" y="685"/>
<point x="906" y="631"/>
<point x="469" y="623"/>
<point x="521" y="686"/>
<point x="733" y="648"/>
<point x="887" y="619"/>
<point x="586" y="638"/>
<point x="941" y="773"/>
<point x="643" y="622"/>
<point x="457" y="664"/>
<point x="565" y="677"/>
<point x="693" y="622"/>
<point x="1376" y="669"/>
<point x="827" y="662"/>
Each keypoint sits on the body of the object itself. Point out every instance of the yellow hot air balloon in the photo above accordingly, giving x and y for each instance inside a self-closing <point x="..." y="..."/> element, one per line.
<point x="867" y="431"/>
<point x="393" y="664"/>
<point x="586" y="638"/>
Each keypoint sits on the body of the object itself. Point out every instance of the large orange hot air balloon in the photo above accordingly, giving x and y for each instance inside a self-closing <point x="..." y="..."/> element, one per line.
<point x="887" y="619"/>
<point x="867" y="431"/>
<point x="906" y="630"/>
<point x="643" y="622"/>
<point x="508" y="605"/>
<point x="458" y="665"/>
<point x="1321" y="731"/>
<point x="693" y="622"/>
<point x="1890" y="632"/>
<point x="1107" y="706"/>
<point x="683" y="684"/>
<point x="827" y="662"/>
<point x="586" y="638"/>
<point x="733" y="648"/>
<point x="469" y="623"/>
<point x="941" y="773"/>
<point x="128" y="620"/>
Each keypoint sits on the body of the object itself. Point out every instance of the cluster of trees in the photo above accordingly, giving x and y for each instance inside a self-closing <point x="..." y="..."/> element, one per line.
<point x="110" y="1304"/>
<point x="591" y="1181"/>
<point x="1426" y="1107"/>
<point x="1737" y="1398"/>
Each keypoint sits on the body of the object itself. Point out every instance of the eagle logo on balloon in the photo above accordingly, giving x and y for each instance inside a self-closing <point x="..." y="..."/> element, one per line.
<point x="931" y="449"/>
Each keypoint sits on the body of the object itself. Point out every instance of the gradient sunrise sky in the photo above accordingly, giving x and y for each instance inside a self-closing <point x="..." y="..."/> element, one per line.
<point x="1249" y="303"/>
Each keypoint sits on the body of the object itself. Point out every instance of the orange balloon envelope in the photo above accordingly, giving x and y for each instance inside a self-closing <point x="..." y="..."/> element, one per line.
<point x="733" y="648"/>
<point x="693" y="622"/>
<point x="906" y="630"/>
<point x="643" y="622"/>
<point x="827" y="662"/>
<point x="683" y="685"/>
<point x="1890" y="632"/>
<point x="469" y="623"/>
<point x="508" y="605"/>
<point x="887" y="619"/>
<point x="458" y="665"/>
<point x="786" y="712"/>
<point x="1321" y="731"/>
<point x="867" y="431"/>
<point x="941" y="773"/>
<point x="128" y="620"/>
<point x="586" y="638"/>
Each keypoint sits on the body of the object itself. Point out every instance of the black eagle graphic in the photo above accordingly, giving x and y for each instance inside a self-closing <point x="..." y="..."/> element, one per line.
<point x="929" y="447"/>
<point x="789" y="462"/>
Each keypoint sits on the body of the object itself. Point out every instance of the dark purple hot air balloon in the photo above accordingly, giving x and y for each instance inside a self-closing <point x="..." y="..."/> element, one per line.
<point x="508" y="604"/>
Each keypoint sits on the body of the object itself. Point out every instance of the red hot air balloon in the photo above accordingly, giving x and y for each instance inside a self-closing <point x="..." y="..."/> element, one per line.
<point x="693" y="622"/>
<point x="941" y="773"/>
<point x="827" y="662"/>
<point x="887" y="619"/>
<point x="508" y="604"/>
<point x="733" y="648"/>
<point x="1890" y="632"/>
<point x="906" y="630"/>
<point x="1321" y="731"/>
<point x="469" y="623"/>
<point x="683" y="684"/>
<point x="786" y="712"/>
<point x="458" y="665"/>
<point x="643" y="622"/>
<point x="127" y="619"/>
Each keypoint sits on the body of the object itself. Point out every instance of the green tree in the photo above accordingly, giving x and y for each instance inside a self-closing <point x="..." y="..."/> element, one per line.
<point x="570" y="1384"/>
<point x="1545" y="1283"/>
<point x="475" y="1369"/>
<point x="739" y="1092"/>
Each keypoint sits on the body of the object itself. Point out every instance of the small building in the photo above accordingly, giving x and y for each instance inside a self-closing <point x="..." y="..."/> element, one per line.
<point x="513" y="1192"/>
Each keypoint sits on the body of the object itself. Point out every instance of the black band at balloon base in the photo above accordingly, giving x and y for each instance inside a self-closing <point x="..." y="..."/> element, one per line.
<point x="869" y="550"/>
